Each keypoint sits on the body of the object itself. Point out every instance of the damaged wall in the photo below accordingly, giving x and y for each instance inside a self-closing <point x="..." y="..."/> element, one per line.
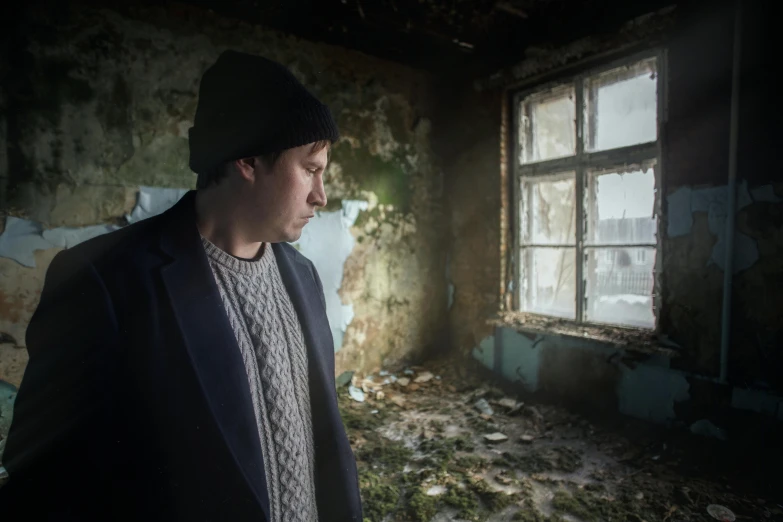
<point x="469" y="148"/>
<point x="605" y="375"/>
<point x="102" y="101"/>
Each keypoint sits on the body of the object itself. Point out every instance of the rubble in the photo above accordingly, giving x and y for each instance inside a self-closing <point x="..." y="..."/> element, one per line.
<point x="495" y="437"/>
<point x="343" y="379"/>
<point x="399" y="400"/>
<point x="356" y="394"/>
<point x="721" y="513"/>
<point x="483" y="406"/>
<point x="423" y="377"/>
<point x="429" y="453"/>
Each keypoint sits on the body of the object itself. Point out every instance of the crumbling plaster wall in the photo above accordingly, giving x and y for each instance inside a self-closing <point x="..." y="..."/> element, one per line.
<point x="97" y="103"/>
<point x="695" y="167"/>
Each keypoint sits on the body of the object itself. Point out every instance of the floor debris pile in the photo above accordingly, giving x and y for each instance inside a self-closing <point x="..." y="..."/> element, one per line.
<point x="434" y="447"/>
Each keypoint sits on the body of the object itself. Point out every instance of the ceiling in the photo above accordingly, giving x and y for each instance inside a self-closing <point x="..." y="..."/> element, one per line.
<point x="470" y="36"/>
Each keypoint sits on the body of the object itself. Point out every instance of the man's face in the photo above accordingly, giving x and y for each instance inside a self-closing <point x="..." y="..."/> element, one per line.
<point x="287" y="194"/>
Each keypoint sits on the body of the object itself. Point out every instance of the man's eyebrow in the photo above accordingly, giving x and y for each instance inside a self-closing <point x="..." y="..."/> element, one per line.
<point x="315" y="163"/>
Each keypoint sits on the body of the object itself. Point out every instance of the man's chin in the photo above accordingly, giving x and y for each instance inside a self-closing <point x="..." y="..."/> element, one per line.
<point x="292" y="236"/>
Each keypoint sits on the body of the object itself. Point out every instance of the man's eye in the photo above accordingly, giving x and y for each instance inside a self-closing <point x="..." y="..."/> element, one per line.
<point x="312" y="172"/>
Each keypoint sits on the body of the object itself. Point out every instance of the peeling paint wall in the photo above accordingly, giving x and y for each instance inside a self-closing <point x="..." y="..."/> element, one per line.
<point x="695" y="170"/>
<point x="104" y="99"/>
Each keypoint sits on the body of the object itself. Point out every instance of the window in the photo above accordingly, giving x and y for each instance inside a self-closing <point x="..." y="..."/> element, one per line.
<point x="586" y="172"/>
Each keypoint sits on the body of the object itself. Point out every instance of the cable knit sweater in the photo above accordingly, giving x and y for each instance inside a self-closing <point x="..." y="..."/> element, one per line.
<point x="270" y="338"/>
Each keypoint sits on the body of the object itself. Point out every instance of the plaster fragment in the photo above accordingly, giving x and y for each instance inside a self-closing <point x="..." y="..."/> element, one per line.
<point x="153" y="201"/>
<point x="21" y="239"/>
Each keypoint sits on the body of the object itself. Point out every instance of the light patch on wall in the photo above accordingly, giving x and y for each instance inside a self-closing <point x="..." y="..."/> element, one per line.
<point x="153" y="201"/>
<point x="68" y="237"/>
<point x="21" y="239"/>
<point x="327" y="241"/>
<point x="485" y="352"/>
<point x="649" y="392"/>
<point x="685" y="201"/>
<point x="521" y="358"/>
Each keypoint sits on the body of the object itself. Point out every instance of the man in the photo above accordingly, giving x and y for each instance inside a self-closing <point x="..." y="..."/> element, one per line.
<point x="182" y="368"/>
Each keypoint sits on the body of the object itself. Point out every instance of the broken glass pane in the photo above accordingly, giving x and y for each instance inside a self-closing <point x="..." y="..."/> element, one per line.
<point x="548" y="210"/>
<point x="620" y="207"/>
<point x="619" y="286"/>
<point x="548" y="281"/>
<point x="547" y="125"/>
<point x="621" y="107"/>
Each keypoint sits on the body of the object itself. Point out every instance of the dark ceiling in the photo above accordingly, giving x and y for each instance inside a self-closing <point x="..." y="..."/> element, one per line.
<point x="470" y="36"/>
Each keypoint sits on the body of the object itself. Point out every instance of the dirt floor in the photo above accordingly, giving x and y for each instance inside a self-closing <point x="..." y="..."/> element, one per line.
<point x="435" y="445"/>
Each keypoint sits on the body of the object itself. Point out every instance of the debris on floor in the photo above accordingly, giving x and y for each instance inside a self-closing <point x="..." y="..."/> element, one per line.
<point x="721" y="513"/>
<point x="483" y="406"/>
<point x="356" y="394"/>
<point x="435" y="450"/>
<point x="495" y="437"/>
<point x="423" y="377"/>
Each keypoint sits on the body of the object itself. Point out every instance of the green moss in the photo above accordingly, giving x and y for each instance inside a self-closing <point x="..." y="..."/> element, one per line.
<point x="548" y="459"/>
<point x="360" y="420"/>
<point x="529" y="514"/>
<point x="379" y="500"/>
<point x="440" y="453"/>
<point x="464" y="500"/>
<point x="492" y="499"/>
<point x="592" y="508"/>
<point x="381" y="452"/>
<point x="563" y="501"/>
<point x="357" y="417"/>
<point x="389" y="180"/>
<point x="480" y="424"/>
<point x="422" y="507"/>
<point x="469" y="463"/>
<point x="477" y="500"/>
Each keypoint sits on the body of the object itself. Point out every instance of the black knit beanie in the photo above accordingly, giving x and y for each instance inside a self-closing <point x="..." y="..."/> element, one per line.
<point x="249" y="106"/>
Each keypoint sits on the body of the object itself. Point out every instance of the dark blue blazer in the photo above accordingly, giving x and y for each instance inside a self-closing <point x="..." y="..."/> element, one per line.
<point x="135" y="403"/>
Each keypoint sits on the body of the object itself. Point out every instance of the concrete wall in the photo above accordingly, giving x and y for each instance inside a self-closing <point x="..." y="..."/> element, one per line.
<point x="602" y="376"/>
<point x="96" y="107"/>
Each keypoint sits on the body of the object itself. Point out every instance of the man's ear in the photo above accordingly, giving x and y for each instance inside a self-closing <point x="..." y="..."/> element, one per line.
<point x="246" y="168"/>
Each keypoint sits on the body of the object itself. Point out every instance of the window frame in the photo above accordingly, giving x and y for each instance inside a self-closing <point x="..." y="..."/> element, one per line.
<point x="581" y="162"/>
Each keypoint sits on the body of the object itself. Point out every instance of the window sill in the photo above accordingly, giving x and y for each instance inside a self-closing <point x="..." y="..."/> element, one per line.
<point x="630" y="339"/>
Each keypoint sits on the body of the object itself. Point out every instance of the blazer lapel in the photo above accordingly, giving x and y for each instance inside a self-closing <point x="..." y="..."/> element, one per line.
<point x="211" y="343"/>
<point x="336" y="487"/>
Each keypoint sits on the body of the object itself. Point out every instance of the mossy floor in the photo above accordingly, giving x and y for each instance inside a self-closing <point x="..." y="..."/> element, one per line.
<point x="422" y="456"/>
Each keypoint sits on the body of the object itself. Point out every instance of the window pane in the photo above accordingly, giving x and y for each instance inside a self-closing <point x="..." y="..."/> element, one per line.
<point x="548" y="210"/>
<point x="621" y="107"/>
<point x="548" y="281"/>
<point x="619" y="286"/>
<point x="547" y="125"/>
<point x="620" y="207"/>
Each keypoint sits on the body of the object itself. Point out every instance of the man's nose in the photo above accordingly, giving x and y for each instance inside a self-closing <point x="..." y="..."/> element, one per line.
<point x="318" y="194"/>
